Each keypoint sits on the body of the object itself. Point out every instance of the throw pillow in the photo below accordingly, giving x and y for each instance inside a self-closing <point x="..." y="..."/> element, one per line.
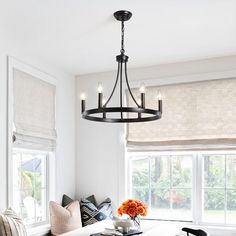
<point x="11" y="224"/>
<point x="91" y="214"/>
<point x="92" y="199"/>
<point x="64" y="219"/>
<point x="67" y="200"/>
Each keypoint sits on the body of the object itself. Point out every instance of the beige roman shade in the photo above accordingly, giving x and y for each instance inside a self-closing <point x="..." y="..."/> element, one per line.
<point x="195" y="116"/>
<point x="34" y="112"/>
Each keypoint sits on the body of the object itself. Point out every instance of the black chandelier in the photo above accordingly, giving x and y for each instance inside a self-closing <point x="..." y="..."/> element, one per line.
<point x="121" y="113"/>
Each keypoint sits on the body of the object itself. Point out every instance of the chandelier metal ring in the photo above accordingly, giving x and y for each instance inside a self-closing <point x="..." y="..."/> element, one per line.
<point x="155" y="115"/>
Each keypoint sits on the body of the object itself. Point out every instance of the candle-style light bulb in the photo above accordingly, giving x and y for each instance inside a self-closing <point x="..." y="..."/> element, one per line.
<point x="142" y="88"/>
<point x="100" y="87"/>
<point x="100" y="95"/>
<point x="82" y="96"/>
<point x="159" y="96"/>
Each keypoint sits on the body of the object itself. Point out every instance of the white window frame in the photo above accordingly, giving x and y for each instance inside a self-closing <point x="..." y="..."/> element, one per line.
<point x="197" y="188"/>
<point x="13" y="63"/>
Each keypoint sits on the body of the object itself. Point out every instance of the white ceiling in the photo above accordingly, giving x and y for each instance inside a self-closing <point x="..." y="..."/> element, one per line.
<point x="81" y="36"/>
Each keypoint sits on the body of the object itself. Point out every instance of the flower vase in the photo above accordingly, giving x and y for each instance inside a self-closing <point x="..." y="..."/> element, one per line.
<point x="136" y="222"/>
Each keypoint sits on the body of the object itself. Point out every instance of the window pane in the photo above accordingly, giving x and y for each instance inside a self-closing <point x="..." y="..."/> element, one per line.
<point x="181" y="171"/>
<point x="29" y="198"/>
<point x="214" y="206"/>
<point x="141" y="194"/>
<point x="140" y="175"/>
<point x="172" y="205"/>
<point x="160" y="172"/>
<point x="231" y="207"/>
<point x="214" y="171"/>
<point x="17" y="203"/>
<point x="165" y="183"/>
<point x="41" y="212"/>
<point x="181" y="204"/>
<point x="231" y="171"/>
<point x="160" y="204"/>
<point x="181" y="198"/>
<point x="160" y="198"/>
<point x="15" y="170"/>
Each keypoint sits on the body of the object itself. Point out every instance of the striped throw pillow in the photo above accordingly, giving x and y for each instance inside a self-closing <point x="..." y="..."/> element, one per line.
<point x="11" y="224"/>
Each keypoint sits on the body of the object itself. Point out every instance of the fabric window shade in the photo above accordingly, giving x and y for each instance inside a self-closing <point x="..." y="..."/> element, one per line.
<point x="34" y="112"/>
<point x="195" y="116"/>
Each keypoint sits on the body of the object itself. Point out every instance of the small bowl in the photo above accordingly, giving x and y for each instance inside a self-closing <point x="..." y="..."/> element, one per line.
<point x="123" y="225"/>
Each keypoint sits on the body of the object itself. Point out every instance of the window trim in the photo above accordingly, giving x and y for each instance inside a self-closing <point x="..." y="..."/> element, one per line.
<point x="197" y="189"/>
<point x="13" y="63"/>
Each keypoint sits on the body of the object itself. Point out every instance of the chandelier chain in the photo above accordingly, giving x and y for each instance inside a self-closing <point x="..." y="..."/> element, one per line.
<point x="122" y="37"/>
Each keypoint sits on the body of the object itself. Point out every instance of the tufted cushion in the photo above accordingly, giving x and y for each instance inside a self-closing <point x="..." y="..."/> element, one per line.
<point x="11" y="224"/>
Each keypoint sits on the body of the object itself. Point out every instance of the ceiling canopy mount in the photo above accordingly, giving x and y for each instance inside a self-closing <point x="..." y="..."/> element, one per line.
<point x="122" y="15"/>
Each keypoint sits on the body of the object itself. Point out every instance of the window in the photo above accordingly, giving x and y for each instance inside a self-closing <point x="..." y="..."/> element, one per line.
<point x="30" y="185"/>
<point x="219" y="189"/>
<point x="198" y="187"/>
<point x="31" y="141"/>
<point x="168" y="167"/>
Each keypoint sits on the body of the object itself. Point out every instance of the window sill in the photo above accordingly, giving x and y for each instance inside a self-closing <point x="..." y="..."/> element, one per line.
<point x="39" y="230"/>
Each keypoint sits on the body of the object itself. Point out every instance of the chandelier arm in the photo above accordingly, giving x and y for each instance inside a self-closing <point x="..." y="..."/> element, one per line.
<point x="114" y="88"/>
<point x="121" y="92"/>
<point x="127" y="82"/>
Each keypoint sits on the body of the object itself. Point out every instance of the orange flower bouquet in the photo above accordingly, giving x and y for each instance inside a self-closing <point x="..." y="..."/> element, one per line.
<point x="133" y="208"/>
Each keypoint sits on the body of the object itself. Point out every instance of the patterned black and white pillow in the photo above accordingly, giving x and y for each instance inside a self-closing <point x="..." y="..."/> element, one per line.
<point x="11" y="224"/>
<point x="91" y="214"/>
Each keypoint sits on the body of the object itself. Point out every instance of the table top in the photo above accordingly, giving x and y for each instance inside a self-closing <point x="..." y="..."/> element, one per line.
<point x="149" y="228"/>
<point x="131" y="232"/>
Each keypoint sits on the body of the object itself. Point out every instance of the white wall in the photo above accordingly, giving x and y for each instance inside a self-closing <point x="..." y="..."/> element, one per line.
<point x="65" y="153"/>
<point x="3" y="134"/>
<point x="101" y="146"/>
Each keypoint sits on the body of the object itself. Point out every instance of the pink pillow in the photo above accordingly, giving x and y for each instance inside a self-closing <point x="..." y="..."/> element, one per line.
<point x="64" y="219"/>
